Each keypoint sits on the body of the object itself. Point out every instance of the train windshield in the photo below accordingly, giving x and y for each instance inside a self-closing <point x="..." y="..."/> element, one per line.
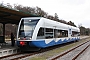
<point x="27" y="27"/>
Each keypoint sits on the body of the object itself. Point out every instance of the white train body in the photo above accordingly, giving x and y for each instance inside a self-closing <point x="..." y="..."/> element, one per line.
<point x="44" y="32"/>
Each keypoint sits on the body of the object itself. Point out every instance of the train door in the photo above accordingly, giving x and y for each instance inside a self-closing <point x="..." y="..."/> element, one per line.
<point x="69" y="32"/>
<point x="55" y="34"/>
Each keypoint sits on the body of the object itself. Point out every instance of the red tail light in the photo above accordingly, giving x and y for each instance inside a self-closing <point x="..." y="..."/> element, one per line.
<point x="22" y="43"/>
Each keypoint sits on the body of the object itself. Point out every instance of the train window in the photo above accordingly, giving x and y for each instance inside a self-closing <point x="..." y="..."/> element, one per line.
<point x="74" y="34"/>
<point x="64" y="33"/>
<point x="40" y="34"/>
<point x="45" y="33"/>
<point x="60" y="33"/>
<point x="27" y="27"/>
<point x="31" y="22"/>
<point x="49" y="30"/>
<point x="49" y="33"/>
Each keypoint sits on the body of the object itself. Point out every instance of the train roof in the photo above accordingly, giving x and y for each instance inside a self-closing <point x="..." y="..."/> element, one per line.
<point x="54" y="23"/>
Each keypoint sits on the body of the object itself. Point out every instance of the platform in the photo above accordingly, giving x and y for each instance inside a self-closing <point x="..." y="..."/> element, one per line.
<point x="7" y="49"/>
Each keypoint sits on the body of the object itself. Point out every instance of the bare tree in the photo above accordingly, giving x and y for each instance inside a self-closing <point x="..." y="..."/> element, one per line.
<point x="9" y="6"/>
<point x="56" y="17"/>
<point x="50" y="17"/>
<point x="40" y="12"/>
<point x="1" y="4"/>
<point x="71" y="23"/>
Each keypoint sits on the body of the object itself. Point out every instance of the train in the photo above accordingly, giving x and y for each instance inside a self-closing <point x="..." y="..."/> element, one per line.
<point x="35" y="33"/>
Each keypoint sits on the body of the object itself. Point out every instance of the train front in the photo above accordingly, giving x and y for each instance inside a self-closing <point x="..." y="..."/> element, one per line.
<point x="24" y="35"/>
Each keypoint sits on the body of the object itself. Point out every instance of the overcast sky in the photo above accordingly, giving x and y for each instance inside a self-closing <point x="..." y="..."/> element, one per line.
<point x="77" y="11"/>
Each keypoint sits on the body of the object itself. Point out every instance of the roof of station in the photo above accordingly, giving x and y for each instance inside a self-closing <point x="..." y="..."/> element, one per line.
<point x="12" y="16"/>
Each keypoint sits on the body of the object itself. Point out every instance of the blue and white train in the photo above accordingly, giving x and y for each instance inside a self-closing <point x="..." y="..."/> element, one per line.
<point x="35" y="33"/>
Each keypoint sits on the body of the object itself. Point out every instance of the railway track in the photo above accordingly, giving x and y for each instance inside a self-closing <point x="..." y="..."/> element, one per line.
<point x="18" y="56"/>
<point x="73" y="53"/>
<point x="21" y="55"/>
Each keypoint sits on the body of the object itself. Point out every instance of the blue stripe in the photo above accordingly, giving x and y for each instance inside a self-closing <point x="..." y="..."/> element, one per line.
<point x="42" y="44"/>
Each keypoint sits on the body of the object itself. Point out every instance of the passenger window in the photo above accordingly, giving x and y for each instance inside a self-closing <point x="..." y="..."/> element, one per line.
<point x="60" y="33"/>
<point x="49" y="33"/>
<point x="40" y="34"/>
<point x="74" y="34"/>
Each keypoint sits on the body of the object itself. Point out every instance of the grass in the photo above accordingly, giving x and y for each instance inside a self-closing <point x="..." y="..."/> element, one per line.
<point x="56" y="51"/>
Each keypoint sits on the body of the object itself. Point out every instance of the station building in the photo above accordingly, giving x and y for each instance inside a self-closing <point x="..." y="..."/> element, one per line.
<point x="10" y="16"/>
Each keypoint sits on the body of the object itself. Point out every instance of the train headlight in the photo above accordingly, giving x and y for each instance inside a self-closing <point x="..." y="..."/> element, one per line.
<point x="18" y="38"/>
<point x="30" y="38"/>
